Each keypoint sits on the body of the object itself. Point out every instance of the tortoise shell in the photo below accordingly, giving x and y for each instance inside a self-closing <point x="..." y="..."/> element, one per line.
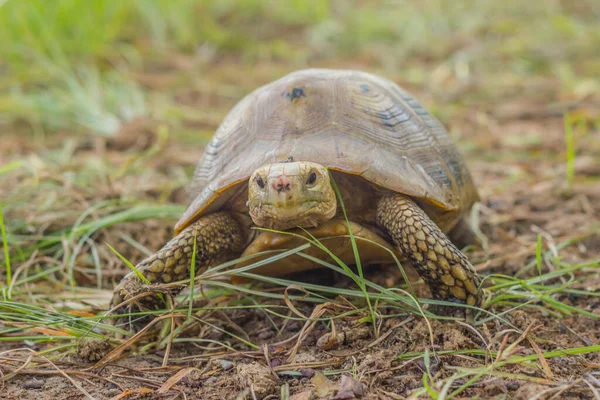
<point x="348" y="121"/>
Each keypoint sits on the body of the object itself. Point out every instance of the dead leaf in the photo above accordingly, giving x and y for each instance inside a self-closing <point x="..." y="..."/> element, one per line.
<point x="350" y="388"/>
<point x="52" y="332"/>
<point x="323" y="386"/>
<point x="176" y="378"/>
<point x="79" y="313"/>
<point x="308" y="395"/>
<point x="132" y="391"/>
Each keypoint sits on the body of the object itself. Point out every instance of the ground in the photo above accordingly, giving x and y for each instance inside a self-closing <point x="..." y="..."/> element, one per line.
<point x="106" y="108"/>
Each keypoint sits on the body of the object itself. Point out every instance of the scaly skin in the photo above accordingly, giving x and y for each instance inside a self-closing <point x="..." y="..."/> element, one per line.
<point x="219" y="237"/>
<point x="442" y="265"/>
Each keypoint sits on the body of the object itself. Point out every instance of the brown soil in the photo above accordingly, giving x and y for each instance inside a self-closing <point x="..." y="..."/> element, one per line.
<point x="376" y="367"/>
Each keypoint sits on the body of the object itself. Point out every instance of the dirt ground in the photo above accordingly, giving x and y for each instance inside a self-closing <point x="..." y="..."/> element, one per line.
<point x="375" y="366"/>
<point x="513" y="138"/>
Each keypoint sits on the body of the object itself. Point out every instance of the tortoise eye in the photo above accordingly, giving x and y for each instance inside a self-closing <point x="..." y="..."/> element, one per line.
<point x="311" y="178"/>
<point x="260" y="182"/>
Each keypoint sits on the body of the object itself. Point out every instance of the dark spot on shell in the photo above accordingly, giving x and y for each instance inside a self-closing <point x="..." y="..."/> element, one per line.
<point x="295" y="94"/>
<point x="393" y="116"/>
<point x="338" y="151"/>
<point x="364" y="88"/>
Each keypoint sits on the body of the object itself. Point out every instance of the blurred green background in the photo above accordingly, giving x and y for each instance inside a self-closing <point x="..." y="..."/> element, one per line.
<point x="90" y="65"/>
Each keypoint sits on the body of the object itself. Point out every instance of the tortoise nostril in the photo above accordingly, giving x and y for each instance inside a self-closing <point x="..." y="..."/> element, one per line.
<point x="282" y="187"/>
<point x="282" y="184"/>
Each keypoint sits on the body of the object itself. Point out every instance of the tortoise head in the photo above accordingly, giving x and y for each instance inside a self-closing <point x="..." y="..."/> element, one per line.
<point x="287" y="195"/>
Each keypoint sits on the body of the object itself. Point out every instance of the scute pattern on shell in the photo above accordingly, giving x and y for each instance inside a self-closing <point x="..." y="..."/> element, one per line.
<point x="348" y="120"/>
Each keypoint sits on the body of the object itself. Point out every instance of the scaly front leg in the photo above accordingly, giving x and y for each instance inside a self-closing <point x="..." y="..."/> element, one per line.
<point x="219" y="237"/>
<point x="442" y="265"/>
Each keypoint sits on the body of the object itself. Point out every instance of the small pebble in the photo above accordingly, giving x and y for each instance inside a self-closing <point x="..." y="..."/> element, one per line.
<point x="113" y="392"/>
<point x="192" y="383"/>
<point x="276" y="362"/>
<point x="307" y="372"/>
<point x="310" y="340"/>
<point x="293" y="326"/>
<point x="33" y="384"/>
<point x="264" y="335"/>
<point x="216" y="335"/>
<point x="211" y="381"/>
<point x="434" y="365"/>
<point x="226" y="365"/>
<point x="494" y="204"/>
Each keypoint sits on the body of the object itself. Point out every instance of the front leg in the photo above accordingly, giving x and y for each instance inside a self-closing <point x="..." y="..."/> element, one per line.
<point x="442" y="265"/>
<point x="219" y="237"/>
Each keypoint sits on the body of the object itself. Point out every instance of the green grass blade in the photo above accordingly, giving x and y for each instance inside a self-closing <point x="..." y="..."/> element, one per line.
<point x="10" y="166"/>
<point x="130" y="265"/>
<point x="538" y="254"/>
<point x="361" y="281"/>
<point x="6" y="253"/>
<point x="570" y="141"/>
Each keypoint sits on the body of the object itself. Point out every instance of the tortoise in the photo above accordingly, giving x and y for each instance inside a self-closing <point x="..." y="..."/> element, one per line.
<point x="273" y="162"/>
